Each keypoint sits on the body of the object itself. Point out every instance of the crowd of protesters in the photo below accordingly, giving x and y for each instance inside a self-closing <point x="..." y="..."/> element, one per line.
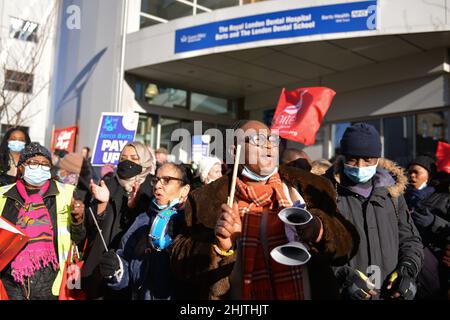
<point x="150" y="229"/>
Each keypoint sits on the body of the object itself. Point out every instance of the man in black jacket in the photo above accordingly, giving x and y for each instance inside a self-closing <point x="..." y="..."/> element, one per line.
<point x="369" y="190"/>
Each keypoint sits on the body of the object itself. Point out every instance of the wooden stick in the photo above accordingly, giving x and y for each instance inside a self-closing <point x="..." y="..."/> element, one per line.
<point x="233" y="181"/>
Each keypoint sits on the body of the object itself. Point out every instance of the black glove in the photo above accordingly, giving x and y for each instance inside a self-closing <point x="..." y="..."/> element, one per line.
<point x="422" y="216"/>
<point x="357" y="286"/>
<point x="402" y="281"/>
<point x="109" y="264"/>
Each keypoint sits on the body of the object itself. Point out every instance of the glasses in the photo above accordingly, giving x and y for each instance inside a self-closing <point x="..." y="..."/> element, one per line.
<point x="34" y="165"/>
<point x="260" y="140"/>
<point x="164" y="180"/>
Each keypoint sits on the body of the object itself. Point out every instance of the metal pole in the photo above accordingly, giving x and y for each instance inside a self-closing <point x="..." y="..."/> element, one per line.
<point x="98" y="228"/>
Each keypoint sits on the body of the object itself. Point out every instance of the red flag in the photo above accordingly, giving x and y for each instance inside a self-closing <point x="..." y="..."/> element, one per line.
<point x="12" y="240"/>
<point x="443" y="157"/>
<point x="300" y="112"/>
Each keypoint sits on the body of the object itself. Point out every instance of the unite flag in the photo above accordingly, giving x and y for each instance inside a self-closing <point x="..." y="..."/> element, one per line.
<point x="300" y="112"/>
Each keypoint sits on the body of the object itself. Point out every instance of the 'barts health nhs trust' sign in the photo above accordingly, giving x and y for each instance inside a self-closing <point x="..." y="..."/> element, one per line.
<point x="345" y="17"/>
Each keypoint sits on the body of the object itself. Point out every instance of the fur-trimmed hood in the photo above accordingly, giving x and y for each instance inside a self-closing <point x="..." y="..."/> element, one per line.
<point x="389" y="175"/>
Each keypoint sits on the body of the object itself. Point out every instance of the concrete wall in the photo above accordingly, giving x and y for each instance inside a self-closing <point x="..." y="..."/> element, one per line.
<point x="87" y="72"/>
<point x="401" y="85"/>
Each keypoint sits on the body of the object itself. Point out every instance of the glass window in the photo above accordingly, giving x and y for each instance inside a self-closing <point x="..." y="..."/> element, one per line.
<point x="399" y="139"/>
<point x="146" y="131"/>
<point x="18" y="81"/>
<point x="23" y="30"/>
<point x="338" y="132"/>
<point x="431" y="128"/>
<point x="160" y="95"/>
<point x="217" y="4"/>
<point x="166" y="9"/>
<point x="209" y="105"/>
<point x="147" y="22"/>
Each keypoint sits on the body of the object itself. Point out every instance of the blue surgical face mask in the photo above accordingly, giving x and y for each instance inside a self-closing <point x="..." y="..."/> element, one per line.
<point x="360" y="174"/>
<point x="246" y="172"/>
<point x="172" y="203"/>
<point x="16" y="145"/>
<point x="36" y="177"/>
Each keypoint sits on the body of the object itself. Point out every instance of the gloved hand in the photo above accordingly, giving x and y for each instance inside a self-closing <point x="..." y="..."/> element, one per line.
<point x="401" y="283"/>
<point x="357" y="286"/>
<point x="109" y="264"/>
<point x="422" y="216"/>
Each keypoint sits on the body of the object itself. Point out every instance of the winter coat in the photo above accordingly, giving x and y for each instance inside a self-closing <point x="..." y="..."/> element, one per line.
<point x="430" y="210"/>
<point x="6" y="179"/>
<point x="114" y="222"/>
<point x="202" y="274"/>
<point x="145" y="270"/>
<point x="41" y="283"/>
<point x="387" y="232"/>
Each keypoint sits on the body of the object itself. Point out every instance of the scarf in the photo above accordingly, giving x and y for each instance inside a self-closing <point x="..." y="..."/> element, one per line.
<point x="265" y="279"/>
<point x="34" y="221"/>
<point x="414" y="196"/>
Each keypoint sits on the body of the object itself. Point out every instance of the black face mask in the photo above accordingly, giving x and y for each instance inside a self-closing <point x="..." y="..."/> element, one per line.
<point x="128" y="169"/>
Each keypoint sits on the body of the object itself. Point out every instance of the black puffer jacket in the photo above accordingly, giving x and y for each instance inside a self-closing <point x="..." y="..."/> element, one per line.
<point x="387" y="232"/>
<point x="434" y="207"/>
<point x="41" y="283"/>
<point x="114" y="222"/>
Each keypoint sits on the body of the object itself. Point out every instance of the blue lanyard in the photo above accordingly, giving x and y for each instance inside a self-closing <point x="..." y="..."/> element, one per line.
<point x="159" y="238"/>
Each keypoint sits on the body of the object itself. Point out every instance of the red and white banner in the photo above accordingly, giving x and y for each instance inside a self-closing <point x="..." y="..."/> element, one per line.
<point x="64" y="139"/>
<point x="300" y="112"/>
<point x="443" y="157"/>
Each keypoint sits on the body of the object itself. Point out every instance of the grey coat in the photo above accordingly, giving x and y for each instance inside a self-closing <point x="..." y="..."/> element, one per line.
<point x="387" y="232"/>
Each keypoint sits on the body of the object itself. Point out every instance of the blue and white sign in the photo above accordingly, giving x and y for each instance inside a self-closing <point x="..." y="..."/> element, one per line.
<point x="200" y="147"/>
<point x="344" y="17"/>
<point x="114" y="132"/>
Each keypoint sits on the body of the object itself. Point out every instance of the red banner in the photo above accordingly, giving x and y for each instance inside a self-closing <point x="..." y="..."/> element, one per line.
<point x="443" y="157"/>
<point x="300" y="112"/>
<point x="64" y="139"/>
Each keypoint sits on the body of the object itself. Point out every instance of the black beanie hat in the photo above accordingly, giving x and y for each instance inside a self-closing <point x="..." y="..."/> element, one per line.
<point x="361" y="139"/>
<point x="426" y="162"/>
<point x="34" y="149"/>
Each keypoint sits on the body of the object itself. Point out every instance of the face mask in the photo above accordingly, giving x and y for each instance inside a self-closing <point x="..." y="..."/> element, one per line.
<point x="128" y="169"/>
<point x="360" y="174"/>
<point x="172" y="203"/>
<point x="36" y="177"/>
<point x="246" y="172"/>
<point x="16" y="146"/>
